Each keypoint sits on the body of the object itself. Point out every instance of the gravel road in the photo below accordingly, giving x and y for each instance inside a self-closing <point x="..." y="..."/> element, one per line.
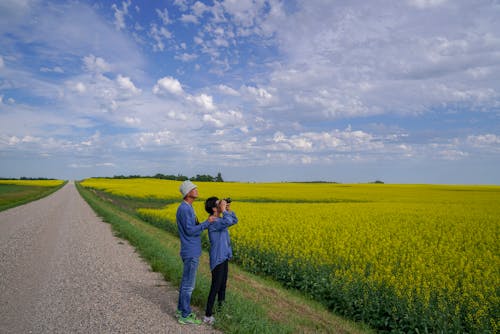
<point x="63" y="271"/>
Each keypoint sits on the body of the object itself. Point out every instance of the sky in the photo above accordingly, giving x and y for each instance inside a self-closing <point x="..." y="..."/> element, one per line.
<point x="401" y="91"/>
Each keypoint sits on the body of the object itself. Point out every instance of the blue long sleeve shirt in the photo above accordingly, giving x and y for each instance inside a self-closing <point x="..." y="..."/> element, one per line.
<point x="220" y="243"/>
<point x="189" y="231"/>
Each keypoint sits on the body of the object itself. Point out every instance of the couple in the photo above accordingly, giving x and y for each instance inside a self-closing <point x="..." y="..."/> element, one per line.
<point x="221" y="217"/>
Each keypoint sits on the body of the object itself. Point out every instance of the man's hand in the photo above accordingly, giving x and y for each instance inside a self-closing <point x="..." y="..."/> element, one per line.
<point x="211" y="219"/>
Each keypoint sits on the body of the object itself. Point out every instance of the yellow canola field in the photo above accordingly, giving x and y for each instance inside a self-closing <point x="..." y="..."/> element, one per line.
<point x="38" y="183"/>
<point x="435" y="246"/>
<point x="289" y="192"/>
<point x="167" y="189"/>
<point x="140" y="188"/>
<point x="419" y="250"/>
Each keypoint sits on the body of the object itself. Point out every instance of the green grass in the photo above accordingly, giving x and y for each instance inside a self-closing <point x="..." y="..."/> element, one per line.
<point x="12" y="195"/>
<point x="254" y="304"/>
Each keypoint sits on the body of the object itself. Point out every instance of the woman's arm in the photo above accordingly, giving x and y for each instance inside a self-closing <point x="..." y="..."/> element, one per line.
<point x="228" y="219"/>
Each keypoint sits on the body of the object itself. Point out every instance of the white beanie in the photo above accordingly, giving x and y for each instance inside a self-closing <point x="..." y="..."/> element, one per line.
<point x="186" y="187"/>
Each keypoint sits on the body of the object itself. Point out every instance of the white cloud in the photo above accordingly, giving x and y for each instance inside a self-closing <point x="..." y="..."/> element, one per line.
<point x="13" y="140"/>
<point x="159" y="35"/>
<point x="484" y="140"/>
<point x="106" y="164"/>
<point x="155" y="138"/>
<point x="120" y="14"/>
<point x="93" y="140"/>
<point x="479" y="72"/>
<point x="77" y="166"/>
<point x="186" y="57"/>
<point x="80" y="88"/>
<point x="169" y="85"/>
<point x="259" y="94"/>
<point x="212" y="120"/>
<point x="182" y="4"/>
<point x="10" y="100"/>
<point x="188" y="18"/>
<point x="2" y="63"/>
<point x="198" y="40"/>
<point x="64" y="31"/>
<point x="336" y="140"/>
<point x="306" y="160"/>
<point x="176" y="115"/>
<point x="301" y="143"/>
<point x="132" y="120"/>
<point x="199" y="8"/>
<point x="426" y="3"/>
<point x="370" y="64"/>
<point x="55" y="69"/>
<point x="230" y="119"/>
<point x="205" y="101"/>
<point x="163" y="14"/>
<point x="244" y="12"/>
<point x="82" y="165"/>
<point x="227" y="90"/>
<point x="279" y="137"/>
<point x="37" y="144"/>
<point x="221" y="37"/>
<point x="126" y="84"/>
<point x="96" y="64"/>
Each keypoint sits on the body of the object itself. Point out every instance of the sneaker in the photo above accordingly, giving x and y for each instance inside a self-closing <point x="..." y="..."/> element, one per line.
<point x="209" y="320"/>
<point x="189" y="320"/>
<point x="178" y="314"/>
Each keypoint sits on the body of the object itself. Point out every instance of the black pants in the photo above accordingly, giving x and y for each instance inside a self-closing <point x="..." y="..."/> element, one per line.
<point x="218" y="287"/>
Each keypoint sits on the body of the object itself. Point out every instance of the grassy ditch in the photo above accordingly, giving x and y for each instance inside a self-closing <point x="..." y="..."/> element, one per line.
<point x="12" y="195"/>
<point x="254" y="304"/>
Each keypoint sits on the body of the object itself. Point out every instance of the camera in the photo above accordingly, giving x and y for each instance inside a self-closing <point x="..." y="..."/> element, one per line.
<point x="228" y="200"/>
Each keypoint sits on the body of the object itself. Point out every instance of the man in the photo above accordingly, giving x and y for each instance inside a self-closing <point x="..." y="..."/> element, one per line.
<point x="189" y="232"/>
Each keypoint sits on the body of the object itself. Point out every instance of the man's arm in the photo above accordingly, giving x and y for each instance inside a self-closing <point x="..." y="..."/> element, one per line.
<point x="188" y="222"/>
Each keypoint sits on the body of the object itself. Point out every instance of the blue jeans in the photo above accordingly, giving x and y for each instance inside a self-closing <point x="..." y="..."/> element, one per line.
<point x="187" y="285"/>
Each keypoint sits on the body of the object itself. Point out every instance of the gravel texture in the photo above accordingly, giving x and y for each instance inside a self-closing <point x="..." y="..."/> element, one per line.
<point x="63" y="271"/>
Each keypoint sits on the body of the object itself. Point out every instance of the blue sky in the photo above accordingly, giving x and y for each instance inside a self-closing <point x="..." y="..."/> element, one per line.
<point x="404" y="91"/>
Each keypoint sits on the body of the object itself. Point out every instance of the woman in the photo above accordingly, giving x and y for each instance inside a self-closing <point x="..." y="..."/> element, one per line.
<point x="220" y="251"/>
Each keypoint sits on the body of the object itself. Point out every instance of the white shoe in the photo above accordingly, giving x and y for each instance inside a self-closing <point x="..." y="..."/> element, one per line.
<point x="209" y="320"/>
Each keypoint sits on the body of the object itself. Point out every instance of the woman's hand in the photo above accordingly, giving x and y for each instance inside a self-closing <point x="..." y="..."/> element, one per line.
<point x="222" y="205"/>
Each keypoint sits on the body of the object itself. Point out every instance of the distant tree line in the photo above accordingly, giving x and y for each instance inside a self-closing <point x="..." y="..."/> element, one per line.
<point x="178" y="177"/>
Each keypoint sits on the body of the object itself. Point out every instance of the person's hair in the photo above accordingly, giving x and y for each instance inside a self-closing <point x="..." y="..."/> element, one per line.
<point x="210" y="204"/>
